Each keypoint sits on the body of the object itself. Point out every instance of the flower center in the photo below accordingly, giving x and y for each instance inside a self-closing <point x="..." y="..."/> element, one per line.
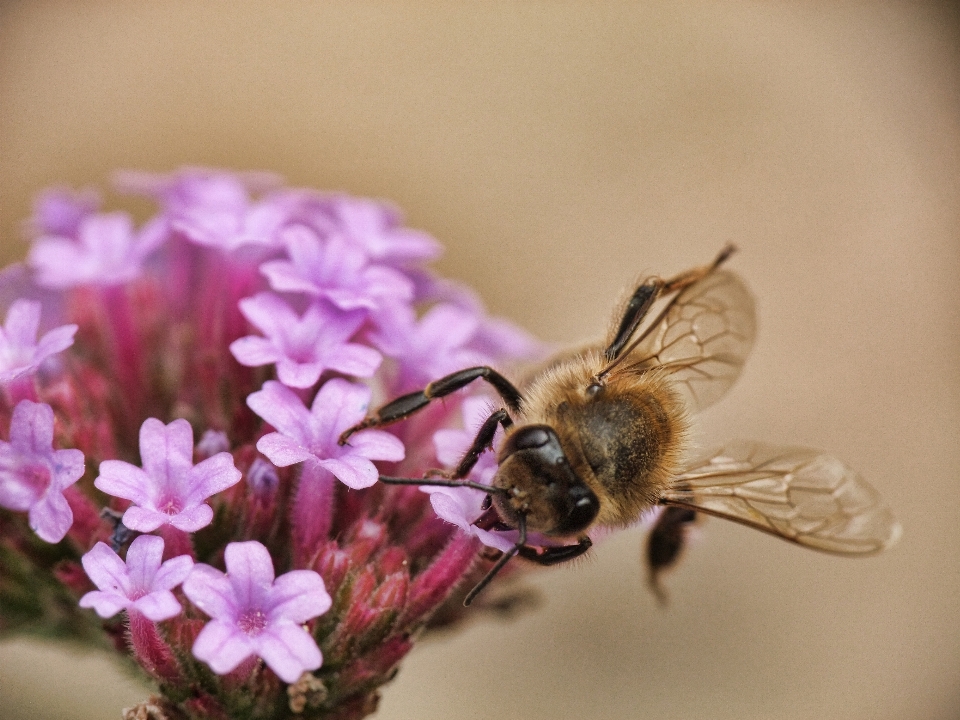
<point x="252" y="622"/>
<point x="170" y="505"/>
<point x="36" y="476"/>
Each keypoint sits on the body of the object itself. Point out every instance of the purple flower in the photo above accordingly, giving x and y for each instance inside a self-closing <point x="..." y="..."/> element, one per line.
<point x="462" y="506"/>
<point x="33" y="475"/>
<point x="255" y="614"/>
<point x="303" y="346"/>
<point x="141" y="584"/>
<point x="60" y="210"/>
<point x="20" y="353"/>
<point x="213" y="208"/>
<point x="312" y="434"/>
<point x="169" y="490"/>
<point x="431" y="347"/>
<point x="375" y="227"/>
<point x="335" y="269"/>
<point x="106" y="251"/>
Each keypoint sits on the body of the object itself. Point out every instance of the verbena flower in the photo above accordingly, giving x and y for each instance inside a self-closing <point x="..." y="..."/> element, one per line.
<point x="303" y="346"/>
<point x="20" y="351"/>
<point x="255" y="613"/>
<point x="313" y="435"/>
<point x="262" y="321"/>
<point x="106" y="251"/>
<point x="141" y="583"/>
<point x="169" y="489"/>
<point x="34" y="476"/>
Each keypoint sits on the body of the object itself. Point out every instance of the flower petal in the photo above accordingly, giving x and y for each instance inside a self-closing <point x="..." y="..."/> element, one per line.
<point x="31" y="427"/>
<point x="123" y="480"/>
<point x="211" y="591"/>
<point x="143" y="561"/>
<point x="106" y="604"/>
<point x="173" y="572"/>
<point x="281" y="450"/>
<point x="190" y="519"/>
<point x="288" y="650"/>
<point x="213" y="475"/>
<point x="354" y="472"/>
<point x="254" y="351"/>
<point x="376" y="445"/>
<point x="250" y="570"/>
<point x="222" y="646"/>
<point x="298" y="595"/>
<point x="158" y="605"/>
<point x="106" y="569"/>
<point x="51" y="517"/>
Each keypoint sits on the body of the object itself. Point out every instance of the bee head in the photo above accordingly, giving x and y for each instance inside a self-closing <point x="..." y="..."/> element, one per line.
<point x="540" y="483"/>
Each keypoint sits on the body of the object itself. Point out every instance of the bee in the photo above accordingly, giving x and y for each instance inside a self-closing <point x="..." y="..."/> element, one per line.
<point x="598" y="437"/>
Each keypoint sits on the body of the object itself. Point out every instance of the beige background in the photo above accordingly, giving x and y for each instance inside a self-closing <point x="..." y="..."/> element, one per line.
<point x="558" y="149"/>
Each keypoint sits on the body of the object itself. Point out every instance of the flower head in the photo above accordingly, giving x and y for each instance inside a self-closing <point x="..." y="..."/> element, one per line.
<point x="169" y="489"/>
<point x="312" y="435"/>
<point x="254" y="613"/>
<point x="140" y="584"/>
<point x="246" y="313"/>
<point x="20" y="351"/>
<point x="33" y="475"/>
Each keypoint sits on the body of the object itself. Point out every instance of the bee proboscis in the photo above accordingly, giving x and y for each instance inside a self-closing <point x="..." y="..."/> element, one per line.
<point x="598" y="437"/>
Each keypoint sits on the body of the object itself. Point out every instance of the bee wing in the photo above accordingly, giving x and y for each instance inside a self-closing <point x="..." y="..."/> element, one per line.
<point x="798" y="494"/>
<point x="703" y="338"/>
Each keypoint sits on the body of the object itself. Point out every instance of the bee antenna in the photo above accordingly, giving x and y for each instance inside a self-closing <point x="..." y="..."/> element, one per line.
<point x="504" y="559"/>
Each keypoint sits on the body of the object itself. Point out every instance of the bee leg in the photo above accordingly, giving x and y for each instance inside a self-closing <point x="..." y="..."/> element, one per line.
<point x="406" y="405"/>
<point x="665" y="544"/>
<point x="504" y="559"/>
<point x="430" y="482"/>
<point x="482" y="442"/>
<point x="555" y="555"/>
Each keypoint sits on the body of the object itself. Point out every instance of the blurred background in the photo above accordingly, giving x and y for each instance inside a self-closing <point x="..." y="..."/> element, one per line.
<point x="558" y="149"/>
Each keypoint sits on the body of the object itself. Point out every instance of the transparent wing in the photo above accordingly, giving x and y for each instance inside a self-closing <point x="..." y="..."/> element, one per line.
<point x="798" y="494"/>
<point x="702" y="339"/>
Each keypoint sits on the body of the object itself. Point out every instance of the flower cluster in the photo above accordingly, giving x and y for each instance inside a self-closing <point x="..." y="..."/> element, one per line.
<point x="172" y="484"/>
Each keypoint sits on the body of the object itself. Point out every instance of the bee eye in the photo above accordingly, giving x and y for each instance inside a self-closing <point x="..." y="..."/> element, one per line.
<point x="528" y="438"/>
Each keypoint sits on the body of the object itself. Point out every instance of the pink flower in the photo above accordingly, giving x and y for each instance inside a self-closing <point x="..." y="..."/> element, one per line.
<point x="303" y="346"/>
<point x="169" y="490"/>
<point x="431" y="347"/>
<point x="213" y="208"/>
<point x="20" y="352"/>
<point x="312" y="435"/>
<point x="255" y="614"/>
<point x="337" y="270"/>
<point x="141" y="584"/>
<point x="60" y="210"/>
<point x="33" y="475"/>
<point x="375" y="227"/>
<point x="462" y="506"/>
<point x="106" y="251"/>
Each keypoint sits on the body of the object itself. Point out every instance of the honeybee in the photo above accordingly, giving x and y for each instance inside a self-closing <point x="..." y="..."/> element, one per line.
<point x="598" y="437"/>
